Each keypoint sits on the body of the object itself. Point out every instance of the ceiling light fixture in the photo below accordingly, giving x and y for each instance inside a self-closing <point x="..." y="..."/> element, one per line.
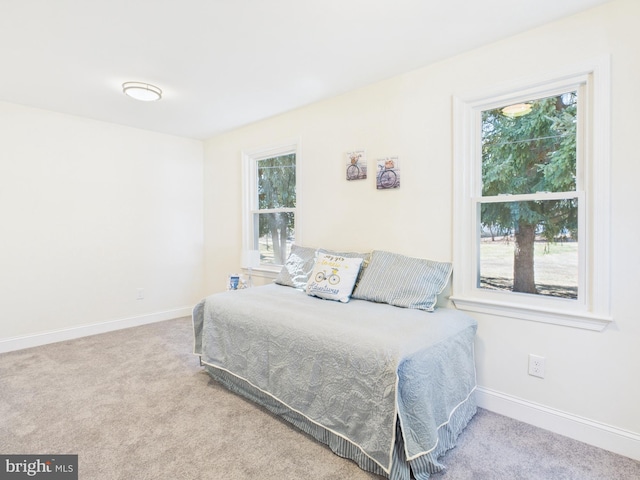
<point x="517" y="110"/>
<point x="142" y="91"/>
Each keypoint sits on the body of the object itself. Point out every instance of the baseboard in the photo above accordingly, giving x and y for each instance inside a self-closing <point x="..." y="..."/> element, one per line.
<point x="613" y="439"/>
<point x="35" y="340"/>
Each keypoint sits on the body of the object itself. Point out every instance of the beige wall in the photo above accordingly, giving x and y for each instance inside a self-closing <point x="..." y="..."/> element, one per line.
<point x="90" y="212"/>
<point x="590" y="376"/>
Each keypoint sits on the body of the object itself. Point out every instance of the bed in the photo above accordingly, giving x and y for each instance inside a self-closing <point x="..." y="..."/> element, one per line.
<point x="388" y="387"/>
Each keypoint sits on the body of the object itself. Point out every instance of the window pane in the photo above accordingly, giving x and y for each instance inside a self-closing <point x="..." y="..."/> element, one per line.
<point x="277" y="182"/>
<point x="530" y="247"/>
<point x="530" y="147"/>
<point x="274" y="234"/>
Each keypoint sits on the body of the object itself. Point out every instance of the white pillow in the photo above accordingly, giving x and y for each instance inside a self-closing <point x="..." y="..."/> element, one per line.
<point x="297" y="269"/>
<point x="333" y="277"/>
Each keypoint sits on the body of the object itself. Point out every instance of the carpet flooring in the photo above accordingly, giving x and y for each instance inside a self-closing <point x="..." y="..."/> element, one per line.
<point x="135" y="404"/>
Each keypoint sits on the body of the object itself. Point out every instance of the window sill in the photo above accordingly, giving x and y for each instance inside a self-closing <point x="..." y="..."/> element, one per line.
<point x="584" y="320"/>
<point x="264" y="271"/>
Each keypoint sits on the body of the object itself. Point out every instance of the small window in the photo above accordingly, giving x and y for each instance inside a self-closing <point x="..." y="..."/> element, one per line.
<point x="531" y="218"/>
<point x="271" y="203"/>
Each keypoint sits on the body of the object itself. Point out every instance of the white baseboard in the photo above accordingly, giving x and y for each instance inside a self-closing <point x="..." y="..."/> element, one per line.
<point x="43" y="338"/>
<point x="613" y="439"/>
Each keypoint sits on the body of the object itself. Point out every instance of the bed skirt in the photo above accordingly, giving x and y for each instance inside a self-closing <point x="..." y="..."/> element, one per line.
<point x="401" y="469"/>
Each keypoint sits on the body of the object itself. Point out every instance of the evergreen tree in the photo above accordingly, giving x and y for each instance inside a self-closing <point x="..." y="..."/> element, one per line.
<point x="531" y="153"/>
<point x="276" y="189"/>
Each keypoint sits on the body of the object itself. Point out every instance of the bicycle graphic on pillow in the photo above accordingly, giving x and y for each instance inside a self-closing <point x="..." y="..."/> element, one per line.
<point x="333" y="278"/>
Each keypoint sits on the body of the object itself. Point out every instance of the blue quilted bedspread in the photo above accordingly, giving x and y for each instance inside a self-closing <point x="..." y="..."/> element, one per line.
<point x="353" y="368"/>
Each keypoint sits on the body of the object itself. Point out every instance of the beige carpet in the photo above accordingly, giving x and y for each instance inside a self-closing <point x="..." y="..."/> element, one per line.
<point x="134" y="404"/>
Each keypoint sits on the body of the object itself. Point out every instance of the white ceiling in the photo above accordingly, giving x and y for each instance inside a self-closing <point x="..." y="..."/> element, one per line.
<point x="227" y="63"/>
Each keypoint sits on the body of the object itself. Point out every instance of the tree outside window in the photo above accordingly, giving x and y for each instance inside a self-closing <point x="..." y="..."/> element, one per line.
<point x="274" y="219"/>
<point x="529" y="197"/>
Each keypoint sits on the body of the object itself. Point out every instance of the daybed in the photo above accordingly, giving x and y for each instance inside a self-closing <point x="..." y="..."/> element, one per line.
<point x="390" y="387"/>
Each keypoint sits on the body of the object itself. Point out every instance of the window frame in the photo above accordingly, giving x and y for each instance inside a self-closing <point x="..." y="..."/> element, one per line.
<point x="250" y="159"/>
<point x="592" y="309"/>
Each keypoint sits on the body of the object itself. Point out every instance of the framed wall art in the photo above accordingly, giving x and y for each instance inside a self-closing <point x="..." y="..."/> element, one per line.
<point x="356" y="165"/>
<point x="388" y="173"/>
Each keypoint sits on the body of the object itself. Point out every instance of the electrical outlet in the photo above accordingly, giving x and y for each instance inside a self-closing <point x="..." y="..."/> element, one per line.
<point x="140" y="294"/>
<point x="536" y="365"/>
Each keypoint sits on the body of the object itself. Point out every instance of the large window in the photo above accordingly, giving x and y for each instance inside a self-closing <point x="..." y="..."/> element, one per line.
<point x="531" y="238"/>
<point x="271" y="201"/>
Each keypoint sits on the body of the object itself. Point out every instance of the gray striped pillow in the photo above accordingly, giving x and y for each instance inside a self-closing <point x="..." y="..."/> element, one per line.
<point x="403" y="281"/>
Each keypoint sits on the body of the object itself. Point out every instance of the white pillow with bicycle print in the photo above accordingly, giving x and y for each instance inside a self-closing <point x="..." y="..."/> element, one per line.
<point x="333" y="277"/>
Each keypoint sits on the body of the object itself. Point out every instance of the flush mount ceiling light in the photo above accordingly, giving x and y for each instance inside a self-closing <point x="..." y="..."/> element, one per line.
<point x="517" y="110"/>
<point x="142" y="91"/>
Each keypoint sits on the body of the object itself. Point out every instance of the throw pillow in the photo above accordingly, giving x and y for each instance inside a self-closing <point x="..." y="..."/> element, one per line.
<point x="296" y="270"/>
<point x="403" y="281"/>
<point x="364" y="256"/>
<point x="333" y="277"/>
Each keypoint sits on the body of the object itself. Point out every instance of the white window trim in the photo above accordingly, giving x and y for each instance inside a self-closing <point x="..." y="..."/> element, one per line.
<point x="249" y="196"/>
<point x="593" y="311"/>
